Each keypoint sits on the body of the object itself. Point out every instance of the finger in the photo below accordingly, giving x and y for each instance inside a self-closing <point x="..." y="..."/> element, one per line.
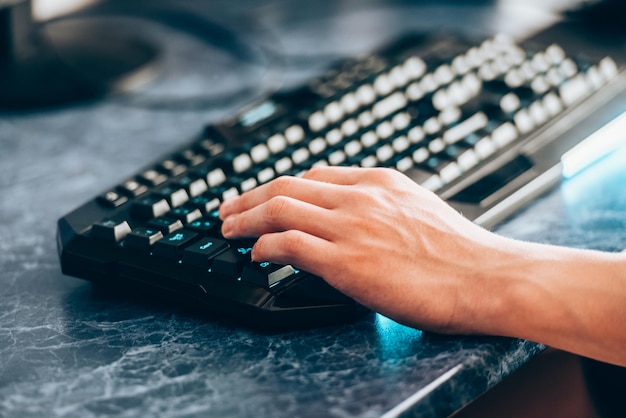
<point x="335" y="175"/>
<point x="278" y="214"/>
<point x="297" y="248"/>
<point x="317" y="193"/>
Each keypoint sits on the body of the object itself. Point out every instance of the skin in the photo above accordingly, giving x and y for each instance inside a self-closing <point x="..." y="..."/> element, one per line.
<point x="415" y="259"/>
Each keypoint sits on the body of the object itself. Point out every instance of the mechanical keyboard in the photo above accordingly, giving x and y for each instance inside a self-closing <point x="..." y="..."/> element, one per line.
<point x="483" y="125"/>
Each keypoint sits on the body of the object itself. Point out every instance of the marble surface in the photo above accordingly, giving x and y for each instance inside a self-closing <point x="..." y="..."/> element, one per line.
<point x="70" y="349"/>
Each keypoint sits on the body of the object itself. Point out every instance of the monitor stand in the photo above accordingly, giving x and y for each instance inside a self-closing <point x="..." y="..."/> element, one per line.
<point x="66" y="61"/>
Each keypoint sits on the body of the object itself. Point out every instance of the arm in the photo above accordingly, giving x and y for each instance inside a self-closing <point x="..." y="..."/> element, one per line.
<point x="403" y="252"/>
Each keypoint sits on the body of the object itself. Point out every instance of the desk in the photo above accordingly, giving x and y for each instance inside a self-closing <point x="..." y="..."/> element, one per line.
<point x="69" y="349"/>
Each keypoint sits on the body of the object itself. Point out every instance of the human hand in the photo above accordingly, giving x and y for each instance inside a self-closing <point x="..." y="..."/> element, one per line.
<point x="377" y="237"/>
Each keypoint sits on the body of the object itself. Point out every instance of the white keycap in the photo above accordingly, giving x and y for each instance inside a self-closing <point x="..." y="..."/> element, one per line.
<point x="300" y="155"/>
<point x="467" y="160"/>
<point x="436" y="145"/>
<point x="574" y="89"/>
<point x="416" y="134"/>
<point x="450" y="173"/>
<point x="230" y="193"/>
<point x="353" y="148"/>
<point x="365" y="94"/>
<point x="266" y="175"/>
<point x="216" y="177"/>
<point x="248" y="184"/>
<point x="369" y="161"/>
<point x="336" y="157"/>
<point x="552" y="104"/>
<point x="317" y="121"/>
<point x="400" y="144"/>
<point x="294" y="134"/>
<point x="317" y="145"/>
<point x="276" y="143"/>
<point x="414" y="67"/>
<point x="510" y="102"/>
<point x="283" y="165"/>
<point x="333" y="137"/>
<point x="404" y="164"/>
<point x="241" y="163"/>
<point x="462" y="130"/>
<point x="389" y="105"/>
<point x="385" y="130"/>
<point x="523" y="121"/>
<point x="369" y="139"/>
<point x="420" y="155"/>
<point x="259" y="153"/>
<point x="384" y="153"/>
<point x="504" y="134"/>
<point x="484" y="148"/>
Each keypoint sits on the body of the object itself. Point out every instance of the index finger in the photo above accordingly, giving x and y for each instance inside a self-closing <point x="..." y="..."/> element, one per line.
<point x="314" y="192"/>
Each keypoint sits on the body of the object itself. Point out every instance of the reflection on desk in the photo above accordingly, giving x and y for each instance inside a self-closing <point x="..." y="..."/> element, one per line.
<point x="70" y="349"/>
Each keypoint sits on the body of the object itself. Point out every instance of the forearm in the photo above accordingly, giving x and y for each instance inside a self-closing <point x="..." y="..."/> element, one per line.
<point x="569" y="299"/>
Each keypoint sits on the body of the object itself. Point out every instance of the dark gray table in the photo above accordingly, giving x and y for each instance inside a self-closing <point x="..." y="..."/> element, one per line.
<point x="68" y="349"/>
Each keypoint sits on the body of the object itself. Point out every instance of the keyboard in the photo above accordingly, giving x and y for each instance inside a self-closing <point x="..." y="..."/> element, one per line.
<point x="483" y="125"/>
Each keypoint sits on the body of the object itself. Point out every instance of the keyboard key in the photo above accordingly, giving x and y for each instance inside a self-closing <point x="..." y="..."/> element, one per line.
<point x="203" y="226"/>
<point x="176" y="196"/>
<point x="113" y="199"/>
<point x="200" y="253"/>
<point x="110" y="230"/>
<point x="185" y="214"/>
<point x="149" y="207"/>
<point x="153" y="177"/>
<point x="266" y="274"/>
<point x="142" y="238"/>
<point x="172" y="245"/>
<point x="172" y="167"/>
<point x="230" y="263"/>
<point x="197" y="187"/>
<point x="166" y="224"/>
<point x="132" y="188"/>
<point x="205" y="203"/>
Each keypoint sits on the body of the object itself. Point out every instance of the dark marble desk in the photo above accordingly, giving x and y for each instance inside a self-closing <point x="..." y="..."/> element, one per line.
<point x="68" y="349"/>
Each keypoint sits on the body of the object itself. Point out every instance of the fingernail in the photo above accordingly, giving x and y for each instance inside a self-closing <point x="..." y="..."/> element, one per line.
<point x="225" y="209"/>
<point x="227" y="226"/>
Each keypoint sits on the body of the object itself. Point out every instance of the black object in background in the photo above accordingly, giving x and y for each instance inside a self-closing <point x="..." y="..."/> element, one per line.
<point x="50" y="65"/>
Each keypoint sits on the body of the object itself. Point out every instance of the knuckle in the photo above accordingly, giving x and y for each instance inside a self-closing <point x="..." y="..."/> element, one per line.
<point x="313" y="172"/>
<point x="279" y="186"/>
<point x="292" y="243"/>
<point x="275" y="209"/>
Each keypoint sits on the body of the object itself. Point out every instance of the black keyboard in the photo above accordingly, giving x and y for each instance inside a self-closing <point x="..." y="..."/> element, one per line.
<point x="482" y="125"/>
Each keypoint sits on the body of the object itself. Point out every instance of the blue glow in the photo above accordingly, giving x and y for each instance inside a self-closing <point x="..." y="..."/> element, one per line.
<point x="396" y="340"/>
<point x="597" y="146"/>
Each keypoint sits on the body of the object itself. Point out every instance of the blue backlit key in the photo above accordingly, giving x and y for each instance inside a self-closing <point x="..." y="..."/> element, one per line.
<point x="202" y="252"/>
<point x="172" y="245"/>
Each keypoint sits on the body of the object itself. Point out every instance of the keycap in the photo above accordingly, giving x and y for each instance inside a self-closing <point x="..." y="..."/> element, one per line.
<point x="172" y="245"/>
<point x="230" y="262"/>
<point x="149" y="207"/>
<point x="153" y="177"/>
<point x="200" y="253"/>
<point x="203" y="226"/>
<point x="165" y="224"/>
<point x="142" y="238"/>
<point x="205" y="203"/>
<point x="176" y="196"/>
<point x="110" y="230"/>
<point x="112" y="199"/>
<point x="185" y="214"/>
<point x="266" y="274"/>
<point x="133" y="188"/>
